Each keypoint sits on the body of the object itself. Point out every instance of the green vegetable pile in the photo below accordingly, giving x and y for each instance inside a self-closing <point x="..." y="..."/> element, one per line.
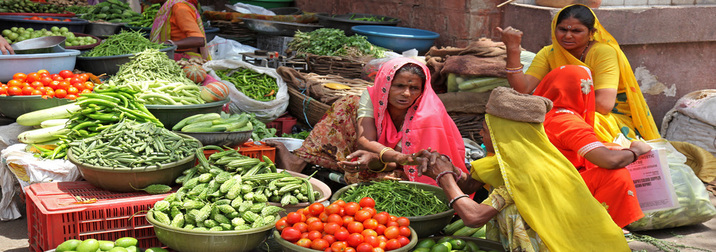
<point x="333" y="42"/>
<point x="113" y="11"/>
<point x="260" y="130"/>
<point x="27" y="6"/>
<point x="125" y="42"/>
<point x="370" y="18"/>
<point x="397" y="198"/>
<point x="16" y="34"/>
<point x="124" y="244"/>
<point x="257" y="86"/>
<point x="78" y="9"/>
<point x="299" y="135"/>
<point x="147" y="16"/>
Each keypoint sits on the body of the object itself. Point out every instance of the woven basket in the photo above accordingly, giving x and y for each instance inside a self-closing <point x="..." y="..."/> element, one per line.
<point x="306" y="109"/>
<point x="343" y="66"/>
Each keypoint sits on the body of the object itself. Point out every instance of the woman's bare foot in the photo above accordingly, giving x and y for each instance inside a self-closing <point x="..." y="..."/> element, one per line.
<point x="285" y="159"/>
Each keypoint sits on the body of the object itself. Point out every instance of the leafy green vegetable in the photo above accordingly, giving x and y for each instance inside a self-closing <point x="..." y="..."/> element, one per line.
<point x="299" y="135"/>
<point x="333" y="42"/>
<point x="260" y="129"/>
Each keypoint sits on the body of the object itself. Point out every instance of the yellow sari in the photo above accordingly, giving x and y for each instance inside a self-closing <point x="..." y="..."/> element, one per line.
<point x="548" y="193"/>
<point x="631" y="114"/>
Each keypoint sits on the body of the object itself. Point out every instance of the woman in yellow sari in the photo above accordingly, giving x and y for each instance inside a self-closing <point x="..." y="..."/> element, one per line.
<point x="538" y="201"/>
<point x="579" y="39"/>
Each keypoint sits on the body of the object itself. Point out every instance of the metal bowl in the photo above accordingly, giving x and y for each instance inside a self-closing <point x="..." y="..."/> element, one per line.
<point x="221" y="138"/>
<point x="170" y="115"/>
<point x="276" y="28"/>
<point x="39" y="45"/>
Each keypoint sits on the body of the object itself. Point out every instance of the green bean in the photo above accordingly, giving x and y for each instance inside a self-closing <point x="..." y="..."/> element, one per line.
<point x="397" y="198"/>
<point x="125" y="42"/>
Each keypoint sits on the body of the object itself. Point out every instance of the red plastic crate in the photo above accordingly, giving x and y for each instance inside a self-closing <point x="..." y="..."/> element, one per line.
<point x="54" y="215"/>
<point x="282" y="124"/>
<point x="250" y="149"/>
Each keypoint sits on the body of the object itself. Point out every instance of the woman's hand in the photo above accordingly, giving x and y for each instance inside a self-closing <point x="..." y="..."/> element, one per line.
<point x="640" y="147"/>
<point x="363" y="160"/>
<point x="5" y="47"/>
<point x="433" y="163"/>
<point x="511" y="36"/>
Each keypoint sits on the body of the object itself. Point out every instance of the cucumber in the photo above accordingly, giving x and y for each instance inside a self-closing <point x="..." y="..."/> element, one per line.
<point x="42" y="134"/>
<point x="36" y="117"/>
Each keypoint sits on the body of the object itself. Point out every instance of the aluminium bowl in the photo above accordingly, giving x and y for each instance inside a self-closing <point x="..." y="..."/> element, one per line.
<point x="38" y="45"/>
<point x="14" y="106"/>
<point x="277" y="28"/>
<point x="424" y="225"/>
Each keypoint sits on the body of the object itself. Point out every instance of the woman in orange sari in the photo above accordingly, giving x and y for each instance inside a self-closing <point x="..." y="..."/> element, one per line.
<point x="179" y="23"/>
<point x="569" y="126"/>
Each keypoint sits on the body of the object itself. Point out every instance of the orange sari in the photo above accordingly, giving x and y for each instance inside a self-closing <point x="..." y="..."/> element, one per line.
<point x="569" y="126"/>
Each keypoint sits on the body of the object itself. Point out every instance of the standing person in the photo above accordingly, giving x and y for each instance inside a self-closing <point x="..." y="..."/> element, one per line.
<point x="179" y="23"/>
<point x="372" y="137"/>
<point x="579" y="39"/>
<point x="569" y="126"/>
<point x="5" y="47"/>
<point x="538" y="201"/>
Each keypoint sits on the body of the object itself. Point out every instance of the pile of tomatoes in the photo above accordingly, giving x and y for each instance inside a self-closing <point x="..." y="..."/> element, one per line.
<point x="64" y="84"/>
<point x="345" y="227"/>
<point x="47" y="19"/>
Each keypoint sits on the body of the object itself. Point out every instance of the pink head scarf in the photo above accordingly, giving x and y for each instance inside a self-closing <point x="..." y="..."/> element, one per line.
<point x="427" y="123"/>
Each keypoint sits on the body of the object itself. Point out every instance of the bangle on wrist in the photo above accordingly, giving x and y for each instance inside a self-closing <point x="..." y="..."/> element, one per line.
<point x="452" y="201"/>
<point x="385" y="166"/>
<point x="171" y="42"/>
<point x="632" y="152"/>
<point x="454" y="175"/>
<point x="383" y="151"/>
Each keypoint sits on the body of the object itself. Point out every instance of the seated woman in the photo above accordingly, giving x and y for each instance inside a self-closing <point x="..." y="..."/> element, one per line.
<point x="569" y="126"/>
<point x="538" y="202"/>
<point x="579" y="39"/>
<point x="372" y="137"/>
<point x="178" y="22"/>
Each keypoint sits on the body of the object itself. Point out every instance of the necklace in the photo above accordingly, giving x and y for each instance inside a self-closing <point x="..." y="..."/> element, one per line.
<point x="581" y="58"/>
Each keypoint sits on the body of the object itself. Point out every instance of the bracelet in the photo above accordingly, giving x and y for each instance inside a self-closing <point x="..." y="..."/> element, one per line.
<point x="515" y="68"/>
<point x="171" y="42"/>
<point x="454" y="174"/>
<point x="385" y="166"/>
<point x="457" y="198"/>
<point x="634" y="153"/>
<point x="383" y="151"/>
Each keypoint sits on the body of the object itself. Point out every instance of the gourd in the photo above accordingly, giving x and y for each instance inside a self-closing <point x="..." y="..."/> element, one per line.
<point x="214" y="91"/>
<point x="195" y="73"/>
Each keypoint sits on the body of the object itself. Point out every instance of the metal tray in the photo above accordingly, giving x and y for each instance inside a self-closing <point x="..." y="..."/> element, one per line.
<point x="277" y="28"/>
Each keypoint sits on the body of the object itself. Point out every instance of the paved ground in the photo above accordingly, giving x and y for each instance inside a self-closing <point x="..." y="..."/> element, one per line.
<point x="13" y="236"/>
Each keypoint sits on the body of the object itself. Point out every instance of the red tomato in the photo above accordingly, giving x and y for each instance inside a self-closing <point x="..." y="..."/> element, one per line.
<point x="3" y="89"/>
<point x="355" y="227"/>
<point x="323" y="217"/>
<point x="393" y="218"/>
<point x="312" y="219"/>
<point x="32" y="77"/>
<point x="316" y="208"/>
<point x="15" y="83"/>
<point x="57" y="78"/>
<point x="404" y="231"/>
<point x="72" y="90"/>
<point x="354" y="240"/>
<point x="83" y="77"/>
<point x="43" y="90"/>
<point x="339" y="246"/>
<point x="347" y="219"/>
<point x="329" y="238"/>
<point x="36" y="84"/>
<point x="370" y="224"/>
<point x="281" y="224"/>
<point x="367" y="202"/>
<point x="291" y="234"/>
<point x="54" y="84"/>
<point x="66" y="20"/>
<point x="340" y="202"/>
<point x="367" y="232"/>
<point x="332" y="209"/>
<point x="313" y="235"/>
<point x="392" y="244"/>
<point x="27" y="90"/>
<point x="319" y="244"/>
<point x="362" y="215"/>
<point x="391" y="232"/>
<point x="75" y="80"/>
<point x="49" y="93"/>
<point x="392" y="224"/>
<point x="378" y="249"/>
<point x="304" y="242"/>
<point x="302" y="226"/>
<point x="350" y="249"/>
<point x="66" y="74"/>
<point x="293" y="218"/>
<point x="60" y="93"/>
<point x="403" y="240"/>
<point x="341" y="234"/>
<point x="335" y="218"/>
<point x="71" y="96"/>
<point x="63" y="85"/>
<point x="351" y="208"/>
<point x="372" y="240"/>
<point x="79" y="86"/>
<point x="86" y="91"/>
<point x="371" y="210"/>
<point x="46" y="80"/>
<point x="380" y="229"/>
<point x="330" y="228"/>
<point x="36" y="92"/>
<point x="364" y="247"/>
<point x="89" y="85"/>
<point x="403" y="221"/>
<point x="19" y="76"/>
<point x="316" y="226"/>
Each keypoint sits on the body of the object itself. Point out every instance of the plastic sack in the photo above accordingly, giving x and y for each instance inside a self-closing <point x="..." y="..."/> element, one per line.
<point x="695" y="207"/>
<point x="220" y="48"/>
<point x="264" y="111"/>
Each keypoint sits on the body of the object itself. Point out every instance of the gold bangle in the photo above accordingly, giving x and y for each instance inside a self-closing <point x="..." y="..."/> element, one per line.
<point x="380" y="156"/>
<point x="515" y="68"/>
<point x="381" y="170"/>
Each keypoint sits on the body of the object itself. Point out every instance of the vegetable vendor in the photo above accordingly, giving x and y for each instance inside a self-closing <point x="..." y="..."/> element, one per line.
<point x="179" y="23"/>
<point x="579" y="39"/>
<point x="538" y="201"/>
<point x="569" y="126"/>
<point x="5" y="47"/>
<point x="372" y="136"/>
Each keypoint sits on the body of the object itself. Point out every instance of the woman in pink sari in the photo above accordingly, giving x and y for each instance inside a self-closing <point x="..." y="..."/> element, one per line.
<point x="373" y="137"/>
<point x="179" y="23"/>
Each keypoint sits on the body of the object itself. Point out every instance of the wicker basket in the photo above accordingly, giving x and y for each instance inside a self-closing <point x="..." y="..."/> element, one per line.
<point x="306" y="109"/>
<point x="346" y="67"/>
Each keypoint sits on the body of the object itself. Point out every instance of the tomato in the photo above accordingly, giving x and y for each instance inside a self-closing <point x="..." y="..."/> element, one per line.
<point x="291" y="234"/>
<point x="36" y="84"/>
<point x="71" y="96"/>
<point x="392" y="224"/>
<point x="372" y="240"/>
<point x="392" y="244"/>
<point x="380" y="229"/>
<point x="301" y="226"/>
<point x="293" y="218"/>
<point x="281" y="224"/>
<point x="393" y="218"/>
<point x="304" y="242"/>
<point x="403" y="221"/>
<point x="27" y="90"/>
<point x="370" y="224"/>
<point x="79" y="86"/>
<point x="355" y="239"/>
<point x="66" y="20"/>
<point x="19" y="76"/>
<point x="340" y="202"/>
<point x="314" y="235"/>
<point x="312" y="219"/>
<point x="355" y="227"/>
<point x="54" y="84"/>
<point x="57" y="78"/>
<point x="323" y="217"/>
<point x="43" y="71"/>
<point x="341" y="234"/>
<point x="49" y="93"/>
<point x="371" y="210"/>
<point x="32" y="77"/>
<point x="404" y="231"/>
<point x="72" y="90"/>
<point x="316" y="208"/>
<point x="63" y="85"/>
<point x="316" y="226"/>
<point x="347" y="219"/>
<point x="367" y="232"/>
<point x="83" y="76"/>
<point x="36" y="92"/>
<point x="351" y="208"/>
<point x="332" y="209"/>
<point x="319" y="244"/>
<point x="46" y="80"/>
<point x="60" y="93"/>
<point x="378" y="249"/>
<point x="362" y="215"/>
<point x="364" y="247"/>
<point x="14" y="83"/>
<point x="3" y="90"/>
<point x="75" y="80"/>
<point x="86" y="91"/>
<point x="391" y="232"/>
<point x="403" y="240"/>
<point x="66" y="74"/>
<point x="366" y="202"/>
<point x="339" y="246"/>
<point x="335" y="218"/>
<point x="89" y="85"/>
<point x="350" y="249"/>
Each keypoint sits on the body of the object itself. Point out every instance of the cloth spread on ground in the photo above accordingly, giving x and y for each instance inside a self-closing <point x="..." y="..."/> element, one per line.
<point x="486" y="58"/>
<point x="320" y="87"/>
